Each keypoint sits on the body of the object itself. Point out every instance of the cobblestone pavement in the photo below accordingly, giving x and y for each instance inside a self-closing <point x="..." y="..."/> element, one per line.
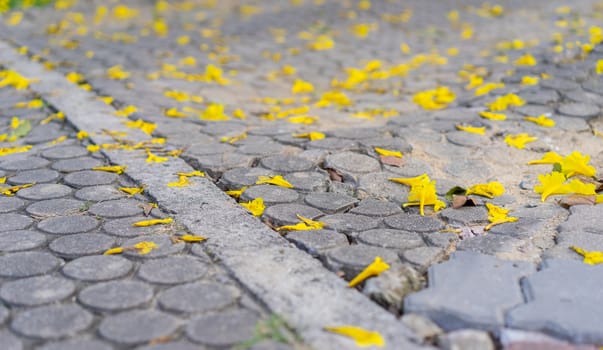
<point x="337" y="97"/>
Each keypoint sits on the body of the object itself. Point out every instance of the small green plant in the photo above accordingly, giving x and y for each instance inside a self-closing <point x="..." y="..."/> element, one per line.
<point x="7" y="5"/>
<point x="275" y="329"/>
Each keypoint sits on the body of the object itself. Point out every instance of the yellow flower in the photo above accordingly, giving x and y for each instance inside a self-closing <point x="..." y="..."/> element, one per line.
<point x="14" y="79"/>
<point x="486" y="88"/>
<point x="374" y="269"/>
<point x="146" y="127"/>
<point x="126" y="111"/>
<point x="302" y="87"/>
<point x="233" y="139"/>
<point x="497" y="215"/>
<point x="255" y="207"/>
<point x="118" y="169"/>
<point x="548" y="158"/>
<point x="131" y="190"/>
<point x="492" y="116"/>
<point x="214" y="112"/>
<point x="577" y="164"/>
<point x="591" y="258"/>
<point x="361" y="336"/>
<point x="236" y="193"/>
<point x="196" y="173"/>
<point x="123" y="12"/>
<point x="112" y="251"/>
<point x="153" y="158"/>
<point x="529" y="80"/>
<point x="410" y="181"/>
<point x="333" y="98"/>
<point x="239" y="114"/>
<point x="322" y="43"/>
<point x="192" y="238"/>
<point x="14" y="19"/>
<point x="304" y="225"/>
<point x="422" y="193"/>
<point x="438" y="98"/>
<point x="276" y="180"/>
<point x="4" y="151"/>
<point x="599" y="67"/>
<point x="490" y="189"/>
<point x="310" y="136"/>
<point x="117" y="73"/>
<point x="554" y="183"/>
<point x="542" y="120"/>
<point x="106" y="99"/>
<point x="82" y="135"/>
<point x="153" y="222"/>
<point x="526" y="60"/>
<point x="519" y="141"/>
<point x="58" y="140"/>
<point x="362" y="30"/>
<point x="93" y="148"/>
<point x="302" y="119"/>
<point x="388" y="153"/>
<point x="182" y="182"/>
<point x="503" y="102"/>
<point x="472" y="129"/>
<point x="10" y="191"/>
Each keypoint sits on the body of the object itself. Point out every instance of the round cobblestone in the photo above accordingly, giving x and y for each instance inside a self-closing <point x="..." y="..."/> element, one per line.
<point x="239" y="177"/>
<point x="52" y="322"/>
<point x="394" y="239"/>
<point x="333" y="144"/>
<point x="581" y="110"/>
<point x="286" y="164"/>
<point x="414" y="223"/>
<point x="76" y="344"/>
<point x="540" y="97"/>
<point x="25" y="164"/>
<point x="123" y="227"/>
<point x="559" y="84"/>
<point x="65" y="152"/>
<point x="116" y="208"/>
<point x="53" y="207"/>
<point x="116" y="295"/>
<point x="216" y="329"/>
<point x="9" y="342"/>
<point x="350" y="223"/>
<point x="73" y="246"/>
<point x="461" y="138"/>
<point x="316" y="242"/>
<point x="354" y="258"/>
<point x="395" y="144"/>
<point x="34" y="176"/>
<point x="65" y="225"/>
<point x="270" y="194"/>
<point x="36" y="291"/>
<point x="13" y="241"/>
<point x="422" y="257"/>
<point x="137" y="327"/>
<point x="99" y="193"/>
<point x="308" y="182"/>
<point x="356" y="133"/>
<point x="11" y="222"/>
<point x="44" y="191"/>
<point x="377" y="185"/>
<point x="27" y="264"/>
<point x="98" y="268"/>
<point x="8" y="204"/>
<point x="172" y="270"/>
<point x="198" y="297"/>
<point x="330" y="202"/>
<point x="286" y="214"/>
<point x="164" y="248"/>
<point x="373" y="207"/>
<point x="261" y="149"/>
<point x="76" y="164"/>
<point x="352" y="163"/>
<point x="594" y="85"/>
<point x="89" y="178"/>
<point x="583" y="97"/>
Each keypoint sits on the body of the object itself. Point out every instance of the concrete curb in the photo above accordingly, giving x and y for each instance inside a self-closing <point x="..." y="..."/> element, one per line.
<point x="288" y="281"/>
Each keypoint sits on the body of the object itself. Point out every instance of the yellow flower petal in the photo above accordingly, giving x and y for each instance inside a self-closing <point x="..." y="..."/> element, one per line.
<point x="472" y="129"/>
<point x="493" y="116"/>
<point x="182" y="182"/>
<point x="497" y="215"/>
<point x="541" y="120"/>
<point x="302" y="87"/>
<point x="153" y="222"/>
<point x="192" y="173"/>
<point x="548" y="158"/>
<point x="145" y="247"/>
<point x="153" y="158"/>
<point x="410" y="181"/>
<point x="192" y="238"/>
<point x="577" y="164"/>
<point x="4" y="151"/>
<point x="255" y="207"/>
<point x="591" y="258"/>
<point x="305" y="225"/>
<point x="236" y="193"/>
<point x="118" y="169"/>
<point x="374" y="269"/>
<point x="519" y="141"/>
<point x="361" y="336"/>
<point x="117" y="250"/>
<point x="302" y="119"/>
<point x="311" y="136"/>
<point x="490" y="190"/>
<point x="131" y="190"/>
<point x="388" y="153"/>
<point x="276" y="180"/>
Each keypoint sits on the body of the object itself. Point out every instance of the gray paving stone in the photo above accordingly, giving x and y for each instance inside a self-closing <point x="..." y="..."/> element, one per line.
<point x="34" y="176"/>
<point x="210" y="149"/>
<point x="27" y="264"/>
<point x="377" y="208"/>
<point x="65" y="152"/>
<point x="395" y="144"/>
<point x="541" y="97"/>
<point x="580" y="110"/>
<point x="270" y="194"/>
<point x="468" y="169"/>
<point x="224" y="128"/>
<point x="198" y="297"/>
<point x="261" y="149"/>
<point x="422" y="257"/>
<point x="164" y="248"/>
<point x="216" y="329"/>
<point x="116" y="295"/>
<point x="283" y="164"/>
<point x="461" y="138"/>
<point x="286" y="214"/>
<point x="582" y="96"/>
<point x="593" y="85"/>
<point x="98" y="268"/>
<point x="308" y="181"/>
<point x="351" y="164"/>
<point x="137" y="327"/>
<point x="123" y="227"/>
<point x="29" y="163"/>
<point x="533" y="110"/>
<point x="465" y="215"/>
<point x="8" y="341"/>
<point x="43" y="134"/>
<point x="76" y="164"/>
<point x="54" y="207"/>
<point x="316" y="242"/>
<point x="470" y="339"/>
<point x="76" y="344"/>
<point x="411" y="167"/>
<point x="172" y="270"/>
<point x="84" y="178"/>
<point x="583" y="218"/>
<point x="11" y="222"/>
<point x="271" y="345"/>
<point x="330" y="202"/>
<point x="350" y="223"/>
<point x="8" y="204"/>
<point x="470" y="291"/>
<point x="217" y="164"/>
<point x="440" y="239"/>
<point x="74" y="246"/>
<point x="52" y="321"/>
<point x="571" y="124"/>
<point x="490" y="244"/>
<point x="65" y="225"/>
<point x="36" y="291"/>
<point x="177" y="345"/>
<point x="333" y="144"/>
<point x="4" y="314"/>
<point x="239" y="177"/>
<point x="351" y="260"/>
<point x="45" y="191"/>
<point x="273" y="130"/>
<point x="523" y="228"/>
<point x="554" y="304"/>
<point x="377" y="185"/>
<point x="388" y="238"/>
<point x="559" y="84"/>
<point x="118" y="208"/>
<point x="414" y="223"/>
<point x="99" y="193"/>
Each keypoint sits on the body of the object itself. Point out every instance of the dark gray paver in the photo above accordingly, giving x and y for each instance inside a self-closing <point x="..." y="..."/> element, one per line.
<point x="286" y="214"/>
<point x="216" y="329"/>
<point x="461" y="138"/>
<point x="8" y="204"/>
<point x="36" y="290"/>
<point x="560" y="301"/>
<point x="423" y="257"/>
<point x="165" y="247"/>
<point x="52" y="321"/>
<point x="11" y="222"/>
<point x="172" y="270"/>
<point x="45" y="191"/>
<point x="198" y="297"/>
<point x="388" y="238"/>
<point x="123" y="227"/>
<point x="54" y="207"/>
<point x="270" y="194"/>
<point x="76" y="164"/>
<point x="350" y="223"/>
<point x="27" y="264"/>
<point x="64" y="225"/>
<point x="354" y="258"/>
<point x="25" y="164"/>
<point x="377" y="185"/>
<point x="76" y="344"/>
<point x="470" y="291"/>
<point x="286" y="164"/>
<point x="98" y="268"/>
<point x="465" y="215"/>
<point x="9" y="341"/>
<point x="177" y="345"/>
<point x="34" y="176"/>
<point x="373" y="207"/>
<point x="137" y="327"/>
<point x="581" y="110"/>
<point x="13" y="241"/>
<point x="330" y="202"/>
<point x="116" y="208"/>
<point x="116" y="295"/>
<point x="73" y="246"/>
<point x="64" y="152"/>
<point x="89" y="178"/>
<point x="99" y="193"/>
<point x="351" y="164"/>
<point x="414" y="223"/>
<point x="316" y="242"/>
<point x="559" y="84"/>
<point x="239" y="177"/>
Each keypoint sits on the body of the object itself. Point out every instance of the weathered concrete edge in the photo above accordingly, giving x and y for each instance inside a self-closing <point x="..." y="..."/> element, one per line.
<point x="292" y="283"/>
